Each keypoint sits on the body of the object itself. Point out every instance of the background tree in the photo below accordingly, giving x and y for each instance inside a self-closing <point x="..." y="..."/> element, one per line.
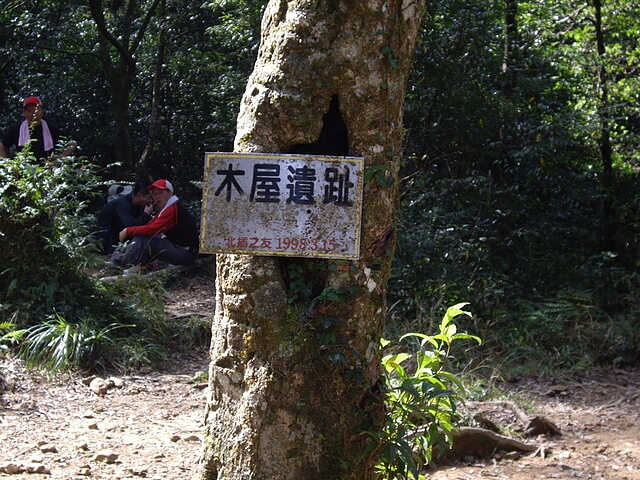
<point x="293" y="384"/>
<point x="121" y="45"/>
<point x="503" y="194"/>
<point x="207" y="58"/>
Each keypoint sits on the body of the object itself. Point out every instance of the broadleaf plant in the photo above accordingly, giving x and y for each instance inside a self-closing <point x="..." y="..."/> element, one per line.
<point x="421" y="400"/>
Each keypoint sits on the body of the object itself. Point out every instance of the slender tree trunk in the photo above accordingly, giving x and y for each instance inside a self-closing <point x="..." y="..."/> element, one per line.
<point x="511" y="45"/>
<point x="120" y="86"/>
<point x="121" y="72"/>
<point x="609" y="233"/>
<point x="294" y="383"/>
<point x="156" y="101"/>
<point x="510" y="34"/>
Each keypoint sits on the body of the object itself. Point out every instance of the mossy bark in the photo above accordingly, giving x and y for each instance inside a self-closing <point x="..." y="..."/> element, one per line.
<point x="279" y="408"/>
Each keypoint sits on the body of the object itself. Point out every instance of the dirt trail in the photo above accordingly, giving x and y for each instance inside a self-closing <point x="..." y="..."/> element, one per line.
<point x="151" y="425"/>
<point x="600" y="423"/>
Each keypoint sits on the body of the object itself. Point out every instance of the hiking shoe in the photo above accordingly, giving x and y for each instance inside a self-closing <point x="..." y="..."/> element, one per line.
<point x="127" y="272"/>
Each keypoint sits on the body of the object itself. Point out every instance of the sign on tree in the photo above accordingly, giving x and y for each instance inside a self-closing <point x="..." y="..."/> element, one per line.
<point x="278" y="204"/>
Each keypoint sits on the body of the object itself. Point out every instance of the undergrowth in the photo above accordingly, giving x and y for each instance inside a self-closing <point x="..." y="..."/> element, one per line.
<point x="421" y="397"/>
<point x="52" y="312"/>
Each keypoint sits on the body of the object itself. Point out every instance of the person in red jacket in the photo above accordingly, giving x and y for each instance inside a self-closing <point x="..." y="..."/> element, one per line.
<point x="170" y="236"/>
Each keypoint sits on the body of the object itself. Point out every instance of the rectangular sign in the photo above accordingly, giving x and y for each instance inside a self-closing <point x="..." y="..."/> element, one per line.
<point x="279" y="204"/>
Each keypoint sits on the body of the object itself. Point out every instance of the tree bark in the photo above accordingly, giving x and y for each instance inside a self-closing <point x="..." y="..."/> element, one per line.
<point x="293" y="384"/>
<point x="604" y="143"/>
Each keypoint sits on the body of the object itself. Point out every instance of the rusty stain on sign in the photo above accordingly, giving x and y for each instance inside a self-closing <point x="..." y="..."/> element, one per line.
<point x="279" y="204"/>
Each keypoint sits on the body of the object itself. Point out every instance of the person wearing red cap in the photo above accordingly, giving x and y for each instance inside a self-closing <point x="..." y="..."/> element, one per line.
<point x="40" y="136"/>
<point x="171" y="236"/>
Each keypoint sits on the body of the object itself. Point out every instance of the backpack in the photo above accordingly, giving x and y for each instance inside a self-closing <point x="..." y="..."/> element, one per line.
<point x="116" y="191"/>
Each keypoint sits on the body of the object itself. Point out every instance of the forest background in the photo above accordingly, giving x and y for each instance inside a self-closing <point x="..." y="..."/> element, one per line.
<point x="519" y="181"/>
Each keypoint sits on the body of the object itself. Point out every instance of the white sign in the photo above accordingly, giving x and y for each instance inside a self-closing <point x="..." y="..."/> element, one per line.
<point x="278" y="204"/>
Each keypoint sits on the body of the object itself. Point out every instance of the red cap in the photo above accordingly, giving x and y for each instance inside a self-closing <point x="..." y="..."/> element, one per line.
<point x="30" y="100"/>
<point x="161" y="185"/>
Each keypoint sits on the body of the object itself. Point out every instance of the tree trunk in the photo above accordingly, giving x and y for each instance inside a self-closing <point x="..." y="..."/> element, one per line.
<point x="293" y="383"/>
<point x="121" y="72"/>
<point x="511" y="46"/>
<point x="510" y="34"/>
<point x="604" y="142"/>
<point x="120" y="86"/>
<point x="156" y="101"/>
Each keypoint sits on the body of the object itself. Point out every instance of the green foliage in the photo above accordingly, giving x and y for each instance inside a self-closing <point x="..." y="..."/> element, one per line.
<point x="9" y="336"/>
<point x="300" y="286"/>
<point x="381" y="174"/>
<point x="207" y="55"/>
<point x="536" y="343"/>
<point x="44" y="241"/>
<point x="502" y="198"/>
<point x="61" y="318"/>
<point x="565" y="33"/>
<point x="57" y="345"/>
<point x="421" y="398"/>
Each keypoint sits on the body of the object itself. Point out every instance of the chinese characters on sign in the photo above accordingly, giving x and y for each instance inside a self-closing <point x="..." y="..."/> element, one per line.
<point x="276" y="204"/>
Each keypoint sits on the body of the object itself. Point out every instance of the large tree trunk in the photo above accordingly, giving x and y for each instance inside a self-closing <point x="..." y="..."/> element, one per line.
<point x="293" y="383"/>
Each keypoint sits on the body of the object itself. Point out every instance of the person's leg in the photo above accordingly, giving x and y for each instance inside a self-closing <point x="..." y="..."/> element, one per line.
<point x="137" y="252"/>
<point x="104" y="239"/>
<point x="163" y="249"/>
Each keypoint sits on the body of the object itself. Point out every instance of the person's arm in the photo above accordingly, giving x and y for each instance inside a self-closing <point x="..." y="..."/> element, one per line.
<point x="124" y="211"/>
<point x="165" y="220"/>
<point x="56" y="160"/>
<point x="70" y="148"/>
<point x="9" y="140"/>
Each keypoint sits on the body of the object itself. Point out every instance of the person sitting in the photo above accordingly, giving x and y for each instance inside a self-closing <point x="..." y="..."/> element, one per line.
<point x="171" y="236"/>
<point x="34" y="133"/>
<point x="128" y="210"/>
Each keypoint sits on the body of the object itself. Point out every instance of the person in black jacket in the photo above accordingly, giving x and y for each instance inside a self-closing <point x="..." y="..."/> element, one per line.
<point x="128" y="210"/>
<point x="40" y="136"/>
<point x="171" y="236"/>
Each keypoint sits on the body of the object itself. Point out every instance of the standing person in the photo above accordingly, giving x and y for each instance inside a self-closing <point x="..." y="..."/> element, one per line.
<point x="129" y="210"/>
<point x="40" y="136"/>
<point x="171" y="236"/>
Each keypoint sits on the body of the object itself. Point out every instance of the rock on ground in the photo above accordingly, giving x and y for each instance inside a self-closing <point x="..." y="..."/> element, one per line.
<point x="140" y="426"/>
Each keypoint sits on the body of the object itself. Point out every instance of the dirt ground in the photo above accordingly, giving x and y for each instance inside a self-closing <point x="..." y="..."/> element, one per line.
<point x="150" y="425"/>
<point x="599" y="421"/>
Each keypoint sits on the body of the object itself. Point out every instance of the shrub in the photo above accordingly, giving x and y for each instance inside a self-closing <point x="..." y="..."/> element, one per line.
<point x="67" y="320"/>
<point x="44" y="241"/>
<point x="421" y="398"/>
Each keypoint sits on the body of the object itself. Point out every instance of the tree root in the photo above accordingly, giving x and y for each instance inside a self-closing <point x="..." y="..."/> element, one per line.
<point x="480" y="442"/>
<point x="531" y="425"/>
<point x="486" y="440"/>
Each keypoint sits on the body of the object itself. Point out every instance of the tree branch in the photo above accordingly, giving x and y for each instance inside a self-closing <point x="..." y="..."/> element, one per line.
<point x="98" y="17"/>
<point x="145" y="23"/>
